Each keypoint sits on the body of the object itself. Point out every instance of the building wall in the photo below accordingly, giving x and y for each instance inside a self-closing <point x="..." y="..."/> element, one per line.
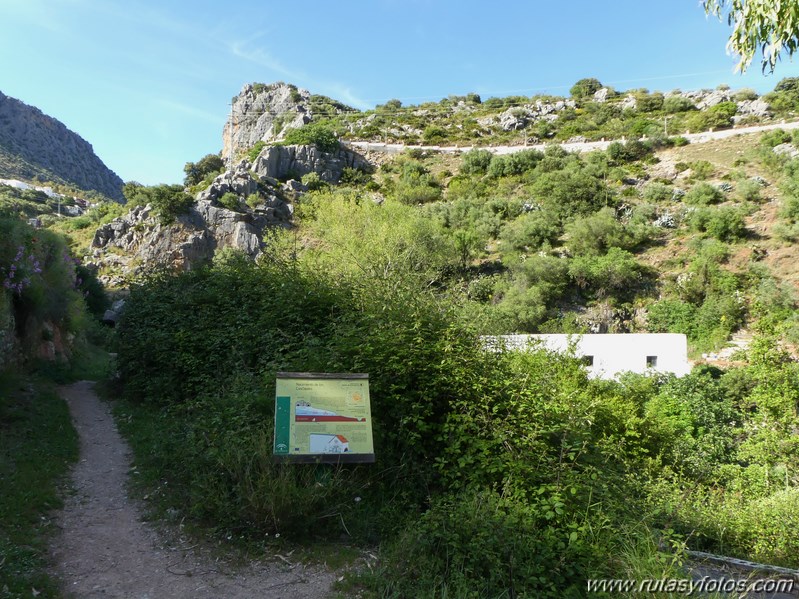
<point x="608" y="355"/>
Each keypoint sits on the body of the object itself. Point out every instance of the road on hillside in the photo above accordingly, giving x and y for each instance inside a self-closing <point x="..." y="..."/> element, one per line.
<point x="582" y="146"/>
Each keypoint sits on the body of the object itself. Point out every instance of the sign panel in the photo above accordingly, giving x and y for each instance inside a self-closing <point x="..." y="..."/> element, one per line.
<point x="323" y="417"/>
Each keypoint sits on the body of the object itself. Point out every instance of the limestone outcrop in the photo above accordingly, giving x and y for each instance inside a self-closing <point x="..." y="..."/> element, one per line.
<point x="139" y="241"/>
<point x="284" y="162"/>
<point x="266" y="112"/>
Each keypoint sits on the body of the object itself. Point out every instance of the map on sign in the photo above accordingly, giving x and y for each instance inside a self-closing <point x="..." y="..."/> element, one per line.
<point x="324" y="417"/>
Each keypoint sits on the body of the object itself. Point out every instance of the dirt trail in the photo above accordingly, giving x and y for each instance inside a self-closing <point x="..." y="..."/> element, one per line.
<point x="106" y="550"/>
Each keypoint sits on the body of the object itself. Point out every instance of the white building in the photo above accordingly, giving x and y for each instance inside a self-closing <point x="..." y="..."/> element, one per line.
<point x="607" y="355"/>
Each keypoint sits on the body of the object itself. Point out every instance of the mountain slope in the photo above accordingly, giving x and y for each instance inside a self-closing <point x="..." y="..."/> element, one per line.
<point x="34" y="146"/>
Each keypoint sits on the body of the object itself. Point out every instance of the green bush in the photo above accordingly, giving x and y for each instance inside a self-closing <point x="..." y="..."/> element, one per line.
<point x="481" y="544"/>
<point x="616" y="273"/>
<point x="675" y="104"/>
<point x="570" y="193"/>
<point x="585" y="87"/>
<point x="475" y="162"/>
<point x="704" y="194"/>
<point x="230" y="201"/>
<point x="38" y="286"/>
<point x="596" y="233"/>
<point x="774" y="137"/>
<point x="211" y="164"/>
<point x="517" y="163"/>
<point x="530" y="231"/>
<point x="168" y="201"/>
<point x="313" y="181"/>
<point x="658" y="192"/>
<point x="254" y="151"/>
<point x="725" y="223"/>
<point x="317" y="134"/>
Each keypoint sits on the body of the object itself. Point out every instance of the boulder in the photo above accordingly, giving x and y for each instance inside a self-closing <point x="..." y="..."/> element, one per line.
<point x="283" y="162"/>
<point x="758" y="108"/>
<point x="788" y="150"/>
<point x="601" y="95"/>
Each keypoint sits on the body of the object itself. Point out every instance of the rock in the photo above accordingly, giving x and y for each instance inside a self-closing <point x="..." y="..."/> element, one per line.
<point x="131" y="244"/>
<point x="513" y="119"/>
<point x="266" y="112"/>
<point x="294" y="186"/>
<point x="601" y="95"/>
<point x="72" y="210"/>
<point x="717" y="96"/>
<point x="282" y="162"/>
<point x="110" y="318"/>
<point x="629" y="101"/>
<point x="757" y="108"/>
<point x="519" y="117"/>
<point x="238" y="181"/>
<point x="786" y="150"/>
<point x="34" y="145"/>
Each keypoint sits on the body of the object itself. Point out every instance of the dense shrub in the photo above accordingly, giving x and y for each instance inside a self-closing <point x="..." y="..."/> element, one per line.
<point x="569" y="193"/>
<point x="39" y="290"/>
<point x="168" y="201"/>
<point x="475" y="162"/>
<point x="597" y="233"/>
<point x="704" y="194"/>
<point x="530" y="231"/>
<point x="616" y="273"/>
<point x="317" y="134"/>
<point x="517" y="163"/>
<point x="210" y="164"/>
<point x="674" y="104"/>
<point x="725" y="223"/>
<point x="585" y="87"/>
<point x="230" y="201"/>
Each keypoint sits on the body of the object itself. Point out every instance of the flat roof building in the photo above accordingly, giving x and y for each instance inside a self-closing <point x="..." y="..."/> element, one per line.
<point x="607" y="355"/>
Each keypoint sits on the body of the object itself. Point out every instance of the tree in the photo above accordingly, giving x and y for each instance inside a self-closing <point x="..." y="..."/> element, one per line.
<point x="320" y="135"/>
<point x="766" y="25"/>
<point x="585" y="87"/>
<point x="197" y="171"/>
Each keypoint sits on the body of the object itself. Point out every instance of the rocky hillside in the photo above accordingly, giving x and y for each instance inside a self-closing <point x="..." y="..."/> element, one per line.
<point x="36" y="147"/>
<point x="139" y="240"/>
<point x="265" y="112"/>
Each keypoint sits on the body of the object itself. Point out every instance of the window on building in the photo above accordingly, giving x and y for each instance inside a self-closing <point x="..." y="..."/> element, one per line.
<point x="651" y="361"/>
<point x="588" y="360"/>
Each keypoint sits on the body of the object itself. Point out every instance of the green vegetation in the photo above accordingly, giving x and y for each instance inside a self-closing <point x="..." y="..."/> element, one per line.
<point x="498" y="473"/>
<point x="37" y="446"/>
<point x="206" y="168"/>
<point x="632" y="114"/>
<point x="763" y="26"/>
<point x="47" y="300"/>
<point x="317" y="133"/>
<point x="168" y="201"/>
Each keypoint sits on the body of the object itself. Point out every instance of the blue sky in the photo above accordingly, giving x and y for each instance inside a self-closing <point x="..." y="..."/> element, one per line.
<point x="148" y="83"/>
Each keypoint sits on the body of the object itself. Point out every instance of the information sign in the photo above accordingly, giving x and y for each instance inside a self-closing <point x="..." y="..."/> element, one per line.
<point x="323" y="417"/>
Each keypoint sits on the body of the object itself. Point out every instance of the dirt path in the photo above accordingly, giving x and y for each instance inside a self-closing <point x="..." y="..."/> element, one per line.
<point x="106" y="550"/>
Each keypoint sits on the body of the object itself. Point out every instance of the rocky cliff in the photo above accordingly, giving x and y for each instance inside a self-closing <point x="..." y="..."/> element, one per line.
<point x="285" y="162"/>
<point x="265" y="112"/>
<point x="138" y="241"/>
<point x="36" y="147"/>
